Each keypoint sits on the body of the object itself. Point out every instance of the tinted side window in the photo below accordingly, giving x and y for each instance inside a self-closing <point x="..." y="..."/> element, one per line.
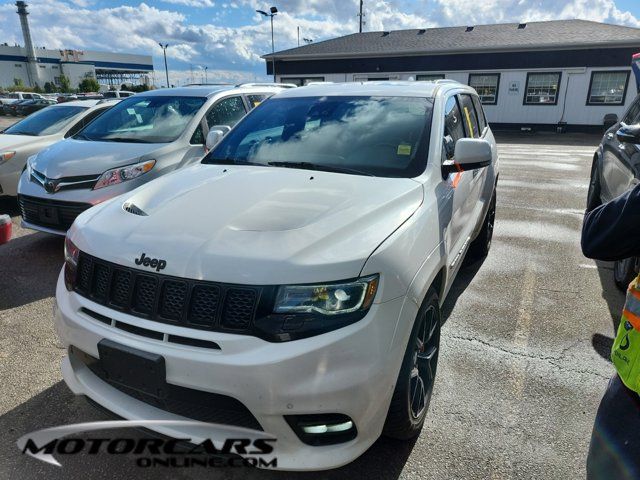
<point x="469" y="116"/>
<point x="228" y="111"/>
<point x="256" y="99"/>
<point x="198" y="136"/>
<point x="84" y="122"/>
<point x="633" y="113"/>
<point x="453" y="129"/>
<point x="482" y="120"/>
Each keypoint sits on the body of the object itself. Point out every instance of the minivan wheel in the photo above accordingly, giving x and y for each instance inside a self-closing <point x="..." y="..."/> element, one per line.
<point x="624" y="272"/>
<point x="480" y="247"/>
<point x="414" y="386"/>
<point x="593" y="195"/>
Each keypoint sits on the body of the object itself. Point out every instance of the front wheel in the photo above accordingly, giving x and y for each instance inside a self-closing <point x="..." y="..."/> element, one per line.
<point x="624" y="272"/>
<point x="481" y="245"/>
<point x="414" y="386"/>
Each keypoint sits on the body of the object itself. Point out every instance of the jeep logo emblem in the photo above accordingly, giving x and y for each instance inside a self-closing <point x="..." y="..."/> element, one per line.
<point x="151" y="262"/>
<point x="51" y="186"/>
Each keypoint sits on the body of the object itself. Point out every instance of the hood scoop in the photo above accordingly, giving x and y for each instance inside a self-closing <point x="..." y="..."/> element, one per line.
<point x="132" y="208"/>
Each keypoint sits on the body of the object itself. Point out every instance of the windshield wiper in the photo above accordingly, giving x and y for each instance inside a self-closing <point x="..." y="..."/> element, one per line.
<point x="124" y="140"/>
<point x="231" y="161"/>
<point x="320" y="167"/>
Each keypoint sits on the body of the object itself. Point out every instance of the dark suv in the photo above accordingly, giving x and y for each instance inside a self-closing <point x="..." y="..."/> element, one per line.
<point x="616" y="169"/>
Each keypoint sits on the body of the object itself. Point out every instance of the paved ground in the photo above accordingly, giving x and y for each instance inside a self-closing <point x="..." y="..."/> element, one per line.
<point x="6" y="121"/>
<point x="523" y="352"/>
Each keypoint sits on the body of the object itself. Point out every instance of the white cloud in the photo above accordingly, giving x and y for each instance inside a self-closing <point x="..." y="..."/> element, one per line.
<point x="233" y="52"/>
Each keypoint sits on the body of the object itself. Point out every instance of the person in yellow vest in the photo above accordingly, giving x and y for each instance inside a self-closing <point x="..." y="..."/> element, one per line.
<point x="612" y="232"/>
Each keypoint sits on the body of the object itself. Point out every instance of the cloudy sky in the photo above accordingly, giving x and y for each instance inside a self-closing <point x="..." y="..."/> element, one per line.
<point x="229" y="36"/>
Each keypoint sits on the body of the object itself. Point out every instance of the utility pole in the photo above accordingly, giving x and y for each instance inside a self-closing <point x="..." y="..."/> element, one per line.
<point x="206" y="77"/>
<point x="166" y="69"/>
<point x="361" y="14"/>
<point x="298" y="36"/>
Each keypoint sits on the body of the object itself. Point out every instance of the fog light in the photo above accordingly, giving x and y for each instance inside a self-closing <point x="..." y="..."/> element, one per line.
<point x="322" y="429"/>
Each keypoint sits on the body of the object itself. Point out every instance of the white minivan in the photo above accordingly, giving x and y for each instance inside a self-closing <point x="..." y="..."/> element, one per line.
<point x="291" y="283"/>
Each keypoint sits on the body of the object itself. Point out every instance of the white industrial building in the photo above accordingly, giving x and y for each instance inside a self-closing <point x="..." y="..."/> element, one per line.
<point x="544" y="75"/>
<point x="40" y="65"/>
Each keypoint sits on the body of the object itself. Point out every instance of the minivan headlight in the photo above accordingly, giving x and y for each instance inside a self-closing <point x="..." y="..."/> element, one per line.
<point x="122" y="174"/>
<point x="6" y="156"/>
<point x="327" y="299"/>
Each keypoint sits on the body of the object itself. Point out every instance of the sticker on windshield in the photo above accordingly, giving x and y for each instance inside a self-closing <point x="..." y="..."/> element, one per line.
<point x="404" y="149"/>
<point x="131" y="111"/>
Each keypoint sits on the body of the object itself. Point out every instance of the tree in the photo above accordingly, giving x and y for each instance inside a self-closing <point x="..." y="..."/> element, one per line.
<point x="37" y="89"/>
<point x="49" y="87"/>
<point x="65" y="84"/>
<point x="17" y="82"/>
<point x="89" y="84"/>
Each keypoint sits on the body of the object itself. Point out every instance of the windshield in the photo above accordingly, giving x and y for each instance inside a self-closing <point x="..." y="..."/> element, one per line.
<point x="144" y="120"/>
<point x="47" y="121"/>
<point x="381" y="136"/>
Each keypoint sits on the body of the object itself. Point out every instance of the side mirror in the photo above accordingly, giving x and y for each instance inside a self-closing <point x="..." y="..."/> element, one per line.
<point x="629" y="133"/>
<point x="469" y="154"/>
<point x="215" y="135"/>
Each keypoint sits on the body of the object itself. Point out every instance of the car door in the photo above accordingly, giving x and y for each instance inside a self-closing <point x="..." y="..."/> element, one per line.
<point x="620" y="161"/>
<point x="458" y="184"/>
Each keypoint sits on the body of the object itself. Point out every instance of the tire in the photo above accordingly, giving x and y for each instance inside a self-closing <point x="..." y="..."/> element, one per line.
<point x="414" y="386"/>
<point x="624" y="271"/>
<point x="593" y="195"/>
<point x="481" y="245"/>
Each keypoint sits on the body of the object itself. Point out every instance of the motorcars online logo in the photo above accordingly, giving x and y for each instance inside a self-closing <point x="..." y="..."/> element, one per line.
<point x="228" y="446"/>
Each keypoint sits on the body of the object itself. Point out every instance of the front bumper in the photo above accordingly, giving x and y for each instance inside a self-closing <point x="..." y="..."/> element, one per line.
<point x="350" y="371"/>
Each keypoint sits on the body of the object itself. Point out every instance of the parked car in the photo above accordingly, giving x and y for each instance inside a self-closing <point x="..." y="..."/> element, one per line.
<point x="290" y="283"/>
<point x="30" y="106"/>
<point x="37" y="132"/>
<point x="11" y="108"/>
<point x="141" y="138"/>
<point x="118" y="94"/>
<point x="616" y="169"/>
<point x="17" y="96"/>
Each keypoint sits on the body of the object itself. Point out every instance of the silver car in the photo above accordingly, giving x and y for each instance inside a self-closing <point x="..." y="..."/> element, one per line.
<point x="40" y="130"/>
<point x="143" y="137"/>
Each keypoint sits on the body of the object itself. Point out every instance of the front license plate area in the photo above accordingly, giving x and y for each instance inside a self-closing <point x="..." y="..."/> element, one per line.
<point x="48" y="214"/>
<point x="133" y="368"/>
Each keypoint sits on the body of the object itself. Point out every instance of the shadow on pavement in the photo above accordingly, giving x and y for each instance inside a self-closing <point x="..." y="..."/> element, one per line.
<point x="548" y="138"/>
<point x="464" y="277"/>
<point x="58" y="406"/>
<point x="615" y="301"/>
<point x="30" y="265"/>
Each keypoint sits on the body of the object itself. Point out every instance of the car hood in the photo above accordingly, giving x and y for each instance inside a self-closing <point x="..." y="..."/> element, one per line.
<point x="251" y="225"/>
<point x="70" y="158"/>
<point x="9" y="142"/>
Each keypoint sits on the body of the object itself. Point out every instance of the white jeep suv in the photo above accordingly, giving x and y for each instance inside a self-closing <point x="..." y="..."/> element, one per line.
<point x="291" y="282"/>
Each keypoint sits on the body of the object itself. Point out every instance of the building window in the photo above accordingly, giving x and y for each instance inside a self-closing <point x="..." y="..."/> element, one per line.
<point x="56" y="80"/>
<point x="542" y="88"/>
<point x="608" y="88"/>
<point x="54" y="68"/>
<point x="301" y="81"/>
<point x="42" y="66"/>
<point x="19" y="65"/>
<point x="430" y="77"/>
<point x="486" y="84"/>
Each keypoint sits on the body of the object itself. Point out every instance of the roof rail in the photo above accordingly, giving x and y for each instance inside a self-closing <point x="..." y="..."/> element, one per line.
<point x="264" y="84"/>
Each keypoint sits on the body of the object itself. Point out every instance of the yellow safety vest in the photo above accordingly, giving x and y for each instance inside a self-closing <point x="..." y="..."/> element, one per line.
<point x="626" y="347"/>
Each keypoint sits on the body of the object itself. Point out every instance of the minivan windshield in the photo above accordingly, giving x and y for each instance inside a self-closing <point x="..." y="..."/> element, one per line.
<point x="380" y="136"/>
<point x="47" y="121"/>
<point x="152" y="119"/>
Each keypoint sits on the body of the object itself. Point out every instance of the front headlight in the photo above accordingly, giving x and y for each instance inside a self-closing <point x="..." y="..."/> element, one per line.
<point x="327" y="299"/>
<point x="6" y="156"/>
<point x="122" y="174"/>
<point x="71" y="254"/>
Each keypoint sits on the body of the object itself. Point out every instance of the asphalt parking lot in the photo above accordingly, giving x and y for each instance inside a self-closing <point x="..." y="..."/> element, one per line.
<point x="524" y="347"/>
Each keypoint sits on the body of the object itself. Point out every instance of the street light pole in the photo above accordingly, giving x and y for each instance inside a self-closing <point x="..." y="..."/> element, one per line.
<point x="273" y="12"/>
<point x="206" y="77"/>
<point x="166" y="69"/>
